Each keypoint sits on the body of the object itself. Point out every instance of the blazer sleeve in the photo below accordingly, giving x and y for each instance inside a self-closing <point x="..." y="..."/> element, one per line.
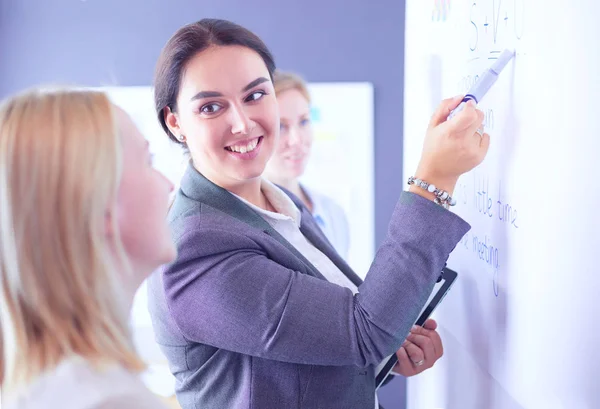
<point x="223" y="290"/>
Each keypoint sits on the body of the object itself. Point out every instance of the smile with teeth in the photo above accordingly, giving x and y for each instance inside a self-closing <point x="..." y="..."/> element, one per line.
<point x="248" y="147"/>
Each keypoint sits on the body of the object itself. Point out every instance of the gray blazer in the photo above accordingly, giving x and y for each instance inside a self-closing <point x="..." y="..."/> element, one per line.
<point x="247" y="322"/>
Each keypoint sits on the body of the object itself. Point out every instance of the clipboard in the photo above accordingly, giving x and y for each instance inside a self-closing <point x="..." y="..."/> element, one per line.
<point x="440" y="289"/>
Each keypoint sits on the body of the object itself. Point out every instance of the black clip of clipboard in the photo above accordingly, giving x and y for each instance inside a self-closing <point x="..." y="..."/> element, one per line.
<point x="447" y="276"/>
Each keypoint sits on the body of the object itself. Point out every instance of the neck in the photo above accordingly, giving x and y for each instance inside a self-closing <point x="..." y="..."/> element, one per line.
<point x="133" y="273"/>
<point x="249" y="190"/>
<point x="130" y="287"/>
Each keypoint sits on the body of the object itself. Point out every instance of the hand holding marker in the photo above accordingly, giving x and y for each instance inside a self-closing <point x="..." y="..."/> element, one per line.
<point x="485" y="82"/>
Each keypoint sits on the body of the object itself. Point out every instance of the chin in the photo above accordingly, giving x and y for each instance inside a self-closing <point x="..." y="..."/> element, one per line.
<point x="166" y="256"/>
<point x="170" y="254"/>
<point x="251" y="173"/>
<point x="295" y="172"/>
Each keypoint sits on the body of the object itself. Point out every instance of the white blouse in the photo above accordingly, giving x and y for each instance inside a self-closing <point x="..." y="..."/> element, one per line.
<point x="76" y="384"/>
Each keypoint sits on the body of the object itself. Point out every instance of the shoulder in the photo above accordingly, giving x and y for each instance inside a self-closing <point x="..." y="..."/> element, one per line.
<point x="329" y="208"/>
<point x="55" y="389"/>
<point x="330" y="204"/>
<point x="138" y="400"/>
<point x="200" y="219"/>
<point x="211" y="235"/>
<point x="322" y="200"/>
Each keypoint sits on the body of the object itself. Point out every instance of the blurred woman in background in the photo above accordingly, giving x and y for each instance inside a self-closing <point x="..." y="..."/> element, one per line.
<point x="292" y="154"/>
<point x="82" y="224"/>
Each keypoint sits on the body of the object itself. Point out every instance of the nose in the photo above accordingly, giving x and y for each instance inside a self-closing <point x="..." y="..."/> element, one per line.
<point x="293" y="137"/>
<point x="240" y="122"/>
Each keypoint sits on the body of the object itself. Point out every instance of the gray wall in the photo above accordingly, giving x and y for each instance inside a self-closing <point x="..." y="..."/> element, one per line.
<point x="117" y="42"/>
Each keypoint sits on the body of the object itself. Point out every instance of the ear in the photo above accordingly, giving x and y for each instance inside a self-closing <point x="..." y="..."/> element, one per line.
<point x="172" y="121"/>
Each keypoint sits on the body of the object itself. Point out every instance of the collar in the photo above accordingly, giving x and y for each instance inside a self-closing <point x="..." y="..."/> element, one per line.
<point x="286" y="209"/>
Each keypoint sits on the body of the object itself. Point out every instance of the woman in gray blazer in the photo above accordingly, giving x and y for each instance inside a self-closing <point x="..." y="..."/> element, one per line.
<point x="258" y="310"/>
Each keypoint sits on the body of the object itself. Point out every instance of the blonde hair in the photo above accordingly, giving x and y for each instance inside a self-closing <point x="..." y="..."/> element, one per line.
<point x="285" y="81"/>
<point x="60" y="293"/>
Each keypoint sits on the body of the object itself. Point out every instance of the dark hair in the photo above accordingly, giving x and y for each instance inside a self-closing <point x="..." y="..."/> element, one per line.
<point x="185" y="44"/>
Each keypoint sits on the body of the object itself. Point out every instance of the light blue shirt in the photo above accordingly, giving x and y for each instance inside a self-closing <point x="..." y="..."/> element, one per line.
<point x="332" y="220"/>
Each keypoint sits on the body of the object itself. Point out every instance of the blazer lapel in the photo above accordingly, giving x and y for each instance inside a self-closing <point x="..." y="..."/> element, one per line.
<point x="313" y="233"/>
<point x="197" y="187"/>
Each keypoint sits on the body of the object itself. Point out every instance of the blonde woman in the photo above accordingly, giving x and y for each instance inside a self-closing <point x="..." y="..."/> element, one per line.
<point x="82" y="223"/>
<point x="291" y="155"/>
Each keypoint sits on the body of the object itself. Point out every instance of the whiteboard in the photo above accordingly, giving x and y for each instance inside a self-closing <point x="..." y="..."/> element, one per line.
<point x="518" y="327"/>
<point x="340" y="166"/>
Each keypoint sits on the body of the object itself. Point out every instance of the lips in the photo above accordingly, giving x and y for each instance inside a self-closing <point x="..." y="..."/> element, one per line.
<point x="295" y="157"/>
<point x="245" y="146"/>
<point x="246" y="149"/>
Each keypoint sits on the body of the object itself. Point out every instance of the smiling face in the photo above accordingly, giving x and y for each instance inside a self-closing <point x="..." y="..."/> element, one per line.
<point x="293" y="149"/>
<point x="228" y="114"/>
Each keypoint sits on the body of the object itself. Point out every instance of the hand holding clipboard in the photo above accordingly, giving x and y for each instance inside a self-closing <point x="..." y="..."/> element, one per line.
<point x="444" y="283"/>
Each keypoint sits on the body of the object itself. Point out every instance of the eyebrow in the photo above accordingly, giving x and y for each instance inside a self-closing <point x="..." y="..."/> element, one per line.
<point x="212" y="94"/>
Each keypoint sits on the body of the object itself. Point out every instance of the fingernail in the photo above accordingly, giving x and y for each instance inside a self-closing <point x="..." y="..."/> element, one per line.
<point x="472" y="103"/>
<point x="414" y="328"/>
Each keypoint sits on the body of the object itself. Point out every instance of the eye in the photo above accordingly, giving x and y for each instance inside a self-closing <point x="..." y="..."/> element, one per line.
<point x="210" y="108"/>
<point x="283" y="127"/>
<point x="304" y="122"/>
<point x="255" y="96"/>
